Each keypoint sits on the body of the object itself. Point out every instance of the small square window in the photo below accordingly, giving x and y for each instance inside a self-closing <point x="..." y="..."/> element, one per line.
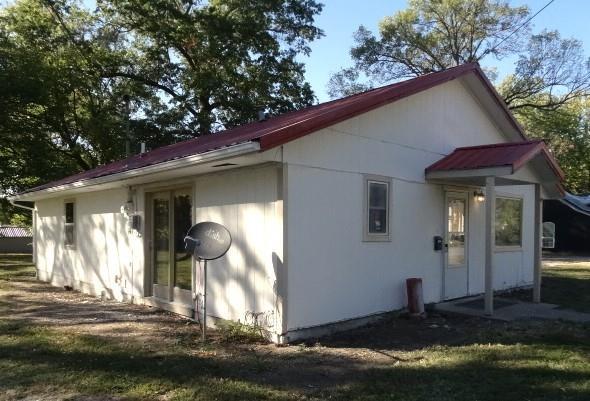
<point x="376" y="209"/>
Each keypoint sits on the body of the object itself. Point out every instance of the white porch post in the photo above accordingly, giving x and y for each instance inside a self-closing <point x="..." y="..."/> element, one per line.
<point x="537" y="245"/>
<point x="490" y="239"/>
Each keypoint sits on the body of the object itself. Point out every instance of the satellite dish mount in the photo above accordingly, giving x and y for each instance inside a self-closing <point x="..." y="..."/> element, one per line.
<point x="207" y="241"/>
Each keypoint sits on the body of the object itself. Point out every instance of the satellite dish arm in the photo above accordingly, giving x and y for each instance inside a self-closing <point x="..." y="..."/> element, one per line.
<point x="188" y="239"/>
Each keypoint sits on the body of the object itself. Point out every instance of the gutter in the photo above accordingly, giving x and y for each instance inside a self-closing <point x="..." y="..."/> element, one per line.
<point x="214" y="155"/>
<point x="12" y="201"/>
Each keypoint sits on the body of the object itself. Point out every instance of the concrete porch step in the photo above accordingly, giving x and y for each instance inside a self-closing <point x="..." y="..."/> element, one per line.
<point x="508" y="310"/>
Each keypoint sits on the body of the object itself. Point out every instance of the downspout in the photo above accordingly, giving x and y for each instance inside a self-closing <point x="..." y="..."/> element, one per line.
<point x="13" y="203"/>
<point x="34" y="218"/>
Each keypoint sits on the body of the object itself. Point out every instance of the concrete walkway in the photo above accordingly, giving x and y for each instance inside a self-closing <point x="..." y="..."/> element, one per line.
<point x="510" y="310"/>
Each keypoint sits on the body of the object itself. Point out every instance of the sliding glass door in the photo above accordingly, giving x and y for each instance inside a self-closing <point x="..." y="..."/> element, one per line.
<point x="171" y="266"/>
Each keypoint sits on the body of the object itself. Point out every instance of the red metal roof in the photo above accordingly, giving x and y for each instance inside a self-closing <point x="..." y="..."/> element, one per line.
<point x="289" y="126"/>
<point x="513" y="155"/>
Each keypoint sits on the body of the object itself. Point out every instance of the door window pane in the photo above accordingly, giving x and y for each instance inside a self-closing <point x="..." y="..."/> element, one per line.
<point x="161" y="241"/>
<point x="456" y="232"/>
<point x="182" y="223"/>
<point x="508" y="221"/>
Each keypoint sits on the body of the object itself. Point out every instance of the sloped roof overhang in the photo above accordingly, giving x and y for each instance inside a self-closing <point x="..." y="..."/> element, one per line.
<point x="505" y="161"/>
<point x="287" y="127"/>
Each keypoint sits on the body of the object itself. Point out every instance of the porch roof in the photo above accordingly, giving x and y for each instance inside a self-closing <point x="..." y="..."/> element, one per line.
<point x="470" y="165"/>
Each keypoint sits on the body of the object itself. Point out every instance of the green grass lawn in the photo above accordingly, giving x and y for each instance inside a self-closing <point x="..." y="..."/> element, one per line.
<point x="59" y="345"/>
<point x="15" y="266"/>
<point x="565" y="283"/>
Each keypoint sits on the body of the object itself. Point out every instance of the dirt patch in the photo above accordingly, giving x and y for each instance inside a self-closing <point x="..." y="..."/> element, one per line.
<point x="62" y="345"/>
<point x="316" y="363"/>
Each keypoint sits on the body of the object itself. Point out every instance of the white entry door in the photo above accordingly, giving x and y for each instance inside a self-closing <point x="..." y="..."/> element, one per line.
<point x="456" y="236"/>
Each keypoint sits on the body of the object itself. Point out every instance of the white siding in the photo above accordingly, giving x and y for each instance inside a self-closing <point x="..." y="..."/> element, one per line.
<point x="326" y="272"/>
<point x="101" y="261"/>
<point x="333" y="275"/>
<point x="248" y="203"/>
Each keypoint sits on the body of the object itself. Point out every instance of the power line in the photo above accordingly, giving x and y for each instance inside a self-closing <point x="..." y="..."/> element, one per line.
<point x="518" y="28"/>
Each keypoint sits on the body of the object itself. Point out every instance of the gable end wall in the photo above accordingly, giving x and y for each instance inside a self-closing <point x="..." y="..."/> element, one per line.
<point x="333" y="274"/>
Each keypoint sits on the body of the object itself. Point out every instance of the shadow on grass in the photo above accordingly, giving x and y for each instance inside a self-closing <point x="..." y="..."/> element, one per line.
<point x="569" y="292"/>
<point x="441" y="358"/>
<point x="16" y="267"/>
<point x="545" y="367"/>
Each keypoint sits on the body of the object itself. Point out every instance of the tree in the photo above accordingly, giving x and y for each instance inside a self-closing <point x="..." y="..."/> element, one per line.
<point x="567" y="131"/>
<point x="218" y="61"/>
<point x="552" y="72"/>
<point x="188" y="68"/>
<point x="432" y="35"/>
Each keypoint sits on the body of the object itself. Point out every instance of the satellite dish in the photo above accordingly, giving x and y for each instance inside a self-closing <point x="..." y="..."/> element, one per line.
<point x="207" y="240"/>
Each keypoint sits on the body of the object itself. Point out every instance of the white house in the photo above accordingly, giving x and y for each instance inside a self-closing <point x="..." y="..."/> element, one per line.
<point x="331" y="208"/>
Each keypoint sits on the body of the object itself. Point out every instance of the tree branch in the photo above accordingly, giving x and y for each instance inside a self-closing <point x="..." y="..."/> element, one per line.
<point x="154" y="84"/>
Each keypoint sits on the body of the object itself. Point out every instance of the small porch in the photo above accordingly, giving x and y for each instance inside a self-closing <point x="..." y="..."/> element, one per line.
<point x="510" y="309"/>
<point x="494" y="165"/>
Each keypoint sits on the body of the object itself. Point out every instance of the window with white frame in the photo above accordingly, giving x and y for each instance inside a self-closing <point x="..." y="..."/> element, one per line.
<point x="376" y="208"/>
<point x="508" y="222"/>
<point x="69" y="223"/>
<point x="549" y="235"/>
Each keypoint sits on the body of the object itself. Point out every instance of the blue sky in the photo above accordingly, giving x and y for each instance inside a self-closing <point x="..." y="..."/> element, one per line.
<point x="340" y="18"/>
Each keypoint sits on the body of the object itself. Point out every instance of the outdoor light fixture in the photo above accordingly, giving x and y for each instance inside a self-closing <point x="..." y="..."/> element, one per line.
<point x="479" y="195"/>
<point x="128" y="208"/>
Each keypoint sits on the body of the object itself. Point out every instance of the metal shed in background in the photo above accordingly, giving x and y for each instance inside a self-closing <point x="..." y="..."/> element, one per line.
<point x="15" y="239"/>
<point x="571" y="216"/>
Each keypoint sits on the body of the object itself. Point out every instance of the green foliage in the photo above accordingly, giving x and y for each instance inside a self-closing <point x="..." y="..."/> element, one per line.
<point x="184" y="69"/>
<point x="57" y="116"/>
<point x="236" y="332"/>
<point x="432" y="35"/>
<point x="546" y="91"/>
<point x="218" y="62"/>
<point x="20" y="220"/>
<point x="567" y="131"/>
<point x="552" y="72"/>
